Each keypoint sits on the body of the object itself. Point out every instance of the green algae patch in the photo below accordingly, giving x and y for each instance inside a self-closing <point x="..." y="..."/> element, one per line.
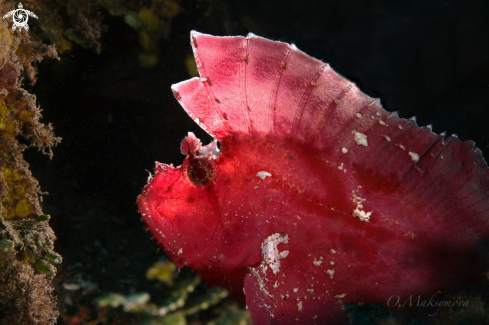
<point x="17" y="199"/>
<point x="44" y="267"/>
<point x="23" y="208"/>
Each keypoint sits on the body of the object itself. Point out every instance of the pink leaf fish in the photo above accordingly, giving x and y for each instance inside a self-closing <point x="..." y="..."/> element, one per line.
<point x="318" y="195"/>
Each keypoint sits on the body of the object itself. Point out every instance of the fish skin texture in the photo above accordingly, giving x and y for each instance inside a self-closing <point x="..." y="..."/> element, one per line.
<point x="318" y="196"/>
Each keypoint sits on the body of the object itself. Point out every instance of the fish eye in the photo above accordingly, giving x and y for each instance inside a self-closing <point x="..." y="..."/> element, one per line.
<point x="200" y="171"/>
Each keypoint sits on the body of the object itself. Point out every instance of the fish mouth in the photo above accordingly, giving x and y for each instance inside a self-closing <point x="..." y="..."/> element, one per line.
<point x="152" y="202"/>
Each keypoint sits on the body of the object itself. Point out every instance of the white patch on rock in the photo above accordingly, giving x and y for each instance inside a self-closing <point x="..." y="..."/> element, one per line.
<point x="263" y="174"/>
<point x="414" y="156"/>
<point x="360" y="138"/>
<point x="270" y="253"/>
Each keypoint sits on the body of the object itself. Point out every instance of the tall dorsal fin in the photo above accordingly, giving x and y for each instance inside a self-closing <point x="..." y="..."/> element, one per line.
<point x="253" y="86"/>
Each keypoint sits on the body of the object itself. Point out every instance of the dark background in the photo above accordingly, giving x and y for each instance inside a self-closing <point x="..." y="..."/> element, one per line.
<point x="428" y="59"/>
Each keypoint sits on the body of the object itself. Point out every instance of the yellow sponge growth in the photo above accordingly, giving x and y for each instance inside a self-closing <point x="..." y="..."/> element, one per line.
<point x="15" y="203"/>
<point x="7" y="123"/>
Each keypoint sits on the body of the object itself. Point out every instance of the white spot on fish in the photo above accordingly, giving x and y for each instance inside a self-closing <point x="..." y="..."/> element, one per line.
<point x="414" y="156"/>
<point x="263" y="174"/>
<point x="387" y="138"/>
<point x="360" y="138"/>
<point x="295" y="290"/>
<point x="344" y="150"/>
<point x="359" y="212"/>
<point x="318" y="262"/>
<point x="299" y="305"/>
<point x="330" y="272"/>
<point x="362" y="215"/>
<point x="270" y="253"/>
<point x="180" y="251"/>
<point x="382" y="123"/>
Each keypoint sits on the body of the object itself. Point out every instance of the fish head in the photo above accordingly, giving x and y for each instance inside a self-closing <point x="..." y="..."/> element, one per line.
<point x="181" y="204"/>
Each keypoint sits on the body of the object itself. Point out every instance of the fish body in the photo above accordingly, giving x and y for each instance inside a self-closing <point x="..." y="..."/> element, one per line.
<point x="318" y="196"/>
